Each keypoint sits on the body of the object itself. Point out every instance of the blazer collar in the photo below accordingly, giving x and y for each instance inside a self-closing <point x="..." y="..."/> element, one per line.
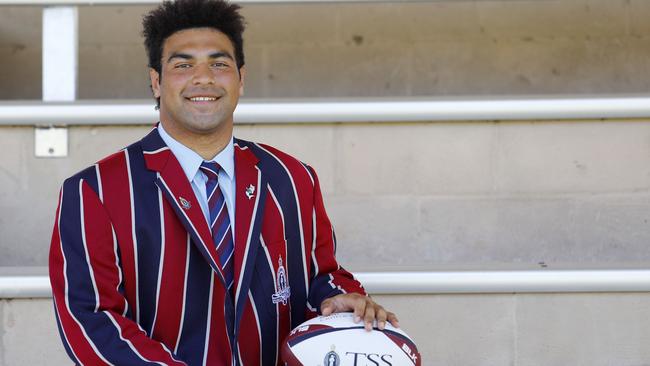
<point x="172" y="181"/>
<point x="250" y="197"/>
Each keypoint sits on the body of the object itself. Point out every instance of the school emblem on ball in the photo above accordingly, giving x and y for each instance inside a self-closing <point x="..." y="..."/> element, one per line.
<point x="332" y="358"/>
<point x="284" y="291"/>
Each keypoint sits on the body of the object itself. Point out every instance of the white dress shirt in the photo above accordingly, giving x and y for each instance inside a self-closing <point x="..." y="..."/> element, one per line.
<point x="191" y="161"/>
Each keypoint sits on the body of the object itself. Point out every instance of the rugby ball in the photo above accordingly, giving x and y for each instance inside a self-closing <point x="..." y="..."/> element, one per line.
<point x="336" y="340"/>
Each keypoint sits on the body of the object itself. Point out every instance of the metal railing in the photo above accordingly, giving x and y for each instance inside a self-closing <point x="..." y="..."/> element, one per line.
<point x="140" y="112"/>
<point x="445" y="282"/>
<point x="145" y="2"/>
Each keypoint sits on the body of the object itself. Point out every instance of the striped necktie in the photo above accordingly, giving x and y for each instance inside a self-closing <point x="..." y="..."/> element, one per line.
<point x="219" y="221"/>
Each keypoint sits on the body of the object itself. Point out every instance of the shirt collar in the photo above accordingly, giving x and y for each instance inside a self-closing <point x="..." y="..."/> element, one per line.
<point x="190" y="160"/>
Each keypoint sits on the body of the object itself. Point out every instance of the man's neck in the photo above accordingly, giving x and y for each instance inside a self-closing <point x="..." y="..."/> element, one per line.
<point x="207" y="145"/>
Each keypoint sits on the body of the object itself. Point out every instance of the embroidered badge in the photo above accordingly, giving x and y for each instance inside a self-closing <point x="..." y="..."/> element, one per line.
<point x="184" y="203"/>
<point x="250" y="191"/>
<point x="284" y="291"/>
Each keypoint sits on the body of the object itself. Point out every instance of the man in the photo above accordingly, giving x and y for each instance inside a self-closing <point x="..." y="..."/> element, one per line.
<point x="189" y="246"/>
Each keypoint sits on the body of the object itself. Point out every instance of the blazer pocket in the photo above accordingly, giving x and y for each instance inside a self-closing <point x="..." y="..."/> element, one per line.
<point x="275" y="243"/>
<point x="281" y="243"/>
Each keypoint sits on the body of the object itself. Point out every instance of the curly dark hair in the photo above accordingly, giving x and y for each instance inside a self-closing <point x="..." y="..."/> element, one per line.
<point x="173" y="16"/>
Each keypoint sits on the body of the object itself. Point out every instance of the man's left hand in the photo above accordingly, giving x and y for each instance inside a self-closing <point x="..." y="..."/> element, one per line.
<point x="363" y="307"/>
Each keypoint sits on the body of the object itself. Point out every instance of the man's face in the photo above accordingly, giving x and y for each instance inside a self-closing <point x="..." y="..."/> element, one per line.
<point x="200" y="84"/>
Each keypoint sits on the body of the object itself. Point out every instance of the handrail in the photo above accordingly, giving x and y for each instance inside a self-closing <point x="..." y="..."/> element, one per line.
<point x="521" y="281"/>
<point x="145" y="2"/>
<point x="444" y="282"/>
<point x="119" y="112"/>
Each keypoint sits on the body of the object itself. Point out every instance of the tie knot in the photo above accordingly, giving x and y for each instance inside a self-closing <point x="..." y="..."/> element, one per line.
<point x="211" y="169"/>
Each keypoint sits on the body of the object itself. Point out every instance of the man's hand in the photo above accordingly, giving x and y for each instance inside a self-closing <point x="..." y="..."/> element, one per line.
<point x="363" y="307"/>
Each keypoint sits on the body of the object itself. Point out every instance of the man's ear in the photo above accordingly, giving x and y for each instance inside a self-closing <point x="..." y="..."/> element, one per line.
<point x="154" y="76"/>
<point x="242" y="75"/>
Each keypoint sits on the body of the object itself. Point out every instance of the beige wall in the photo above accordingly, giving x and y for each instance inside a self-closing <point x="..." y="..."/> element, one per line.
<point x="480" y="330"/>
<point x="410" y="195"/>
<point x="381" y="49"/>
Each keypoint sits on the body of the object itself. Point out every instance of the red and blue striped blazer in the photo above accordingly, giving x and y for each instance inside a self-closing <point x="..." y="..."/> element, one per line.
<point x="136" y="279"/>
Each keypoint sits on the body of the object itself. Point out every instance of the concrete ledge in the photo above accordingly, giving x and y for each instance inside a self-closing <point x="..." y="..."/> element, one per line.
<point x="602" y="329"/>
<point x="444" y="282"/>
<point x="144" y="2"/>
<point x="122" y="112"/>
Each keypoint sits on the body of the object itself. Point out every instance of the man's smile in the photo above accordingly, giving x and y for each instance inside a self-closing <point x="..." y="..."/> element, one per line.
<point x="202" y="99"/>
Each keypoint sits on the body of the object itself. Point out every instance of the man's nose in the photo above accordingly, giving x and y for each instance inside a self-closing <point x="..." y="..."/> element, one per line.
<point x="203" y="74"/>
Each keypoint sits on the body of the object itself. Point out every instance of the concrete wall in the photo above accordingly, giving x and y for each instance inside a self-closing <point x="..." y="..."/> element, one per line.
<point x="316" y="50"/>
<point x="410" y="195"/>
<point x="481" y="330"/>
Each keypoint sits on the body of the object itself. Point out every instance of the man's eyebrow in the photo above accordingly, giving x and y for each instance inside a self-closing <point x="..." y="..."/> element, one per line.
<point x="184" y="56"/>
<point x="222" y="54"/>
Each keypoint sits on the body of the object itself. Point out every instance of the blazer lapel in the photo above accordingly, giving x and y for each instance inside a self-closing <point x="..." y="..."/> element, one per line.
<point x="250" y="194"/>
<point x="178" y="191"/>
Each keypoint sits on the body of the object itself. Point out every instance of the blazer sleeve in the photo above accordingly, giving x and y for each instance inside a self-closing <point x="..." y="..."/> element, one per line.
<point x="87" y="286"/>
<point x="328" y="277"/>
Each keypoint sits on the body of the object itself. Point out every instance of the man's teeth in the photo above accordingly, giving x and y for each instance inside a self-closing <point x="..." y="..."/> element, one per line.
<point x="203" y="99"/>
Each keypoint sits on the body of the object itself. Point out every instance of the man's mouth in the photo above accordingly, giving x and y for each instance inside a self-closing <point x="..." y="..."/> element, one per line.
<point x="202" y="99"/>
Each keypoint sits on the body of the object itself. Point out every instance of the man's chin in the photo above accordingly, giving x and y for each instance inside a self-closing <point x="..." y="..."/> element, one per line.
<point x="207" y="124"/>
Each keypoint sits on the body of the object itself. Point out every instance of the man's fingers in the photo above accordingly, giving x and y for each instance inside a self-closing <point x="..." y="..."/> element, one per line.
<point x="359" y="309"/>
<point x="392" y="318"/>
<point x="369" y="316"/>
<point x="381" y="317"/>
<point x="363" y="308"/>
<point x="327" y="307"/>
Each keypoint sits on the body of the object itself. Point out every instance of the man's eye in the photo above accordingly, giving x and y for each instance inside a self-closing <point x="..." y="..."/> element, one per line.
<point x="182" y="66"/>
<point x="220" y="64"/>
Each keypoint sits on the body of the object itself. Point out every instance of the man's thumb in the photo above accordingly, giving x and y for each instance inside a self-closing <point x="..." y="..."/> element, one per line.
<point x="326" y="307"/>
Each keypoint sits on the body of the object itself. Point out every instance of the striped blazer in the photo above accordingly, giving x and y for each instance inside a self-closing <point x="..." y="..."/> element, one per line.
<point x="136" y="278"/>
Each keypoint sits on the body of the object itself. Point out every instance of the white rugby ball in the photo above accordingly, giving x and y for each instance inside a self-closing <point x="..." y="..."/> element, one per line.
<point x="336" y="340"/>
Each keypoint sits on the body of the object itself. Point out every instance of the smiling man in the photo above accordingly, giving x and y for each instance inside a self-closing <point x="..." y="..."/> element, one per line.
<point x="192" y="247"/>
